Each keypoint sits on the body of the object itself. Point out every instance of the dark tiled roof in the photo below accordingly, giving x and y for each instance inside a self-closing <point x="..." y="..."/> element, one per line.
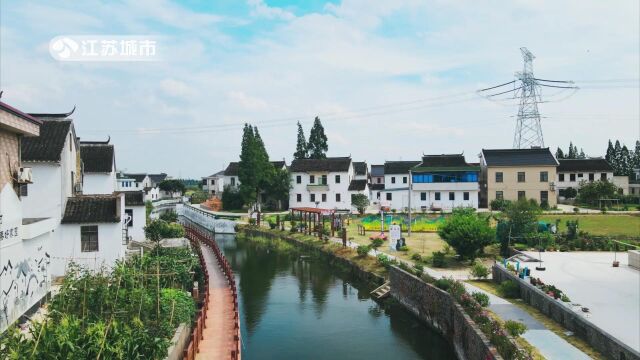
<point x="232" y="169"/>
<point x="278" y="164"/>
<point x="445" y="162"/>
<point x="91" y="209"/>
<point x="133" y="198"/>
<point x="360" y="167"/>
<point x="97" y="158"/>
<point x="157" y="178"/>
<point x="48" y="146"/>
<point x="377" y="170"/>
<point x="221" y="172"/>
<point x="332" y="164"/>
<point x="136" y="177"/>
<point x="597" y="164"/>
<point x="376" y="186"/>
<point x="519" y="157"/>
<point x="357" y="185"/>
<point x="399" y="167"/>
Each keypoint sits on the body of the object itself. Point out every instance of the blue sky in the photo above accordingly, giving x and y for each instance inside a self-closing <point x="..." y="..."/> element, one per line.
<point x="390" y="79"/>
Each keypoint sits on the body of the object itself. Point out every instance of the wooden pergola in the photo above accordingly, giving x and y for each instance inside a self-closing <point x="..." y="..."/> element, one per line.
<point x="312" y="217"/>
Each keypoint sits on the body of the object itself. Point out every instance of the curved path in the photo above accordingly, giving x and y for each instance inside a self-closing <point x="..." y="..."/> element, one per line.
<point x="218" y="335"/>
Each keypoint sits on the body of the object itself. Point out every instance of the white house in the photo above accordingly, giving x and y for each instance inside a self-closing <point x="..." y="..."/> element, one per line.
<point x="130" y="182"/>
<point x="323" y="183"/>
<point x="396" y="184"/>
<point x="571" y="172"/>
<point x="444" y="182"/>
<point x="135" y="214"/>
<point x="214" y="183"/>
<point x="99" y="167"/>
<point x="92" y="232"/>
<point x="25" y="242"/>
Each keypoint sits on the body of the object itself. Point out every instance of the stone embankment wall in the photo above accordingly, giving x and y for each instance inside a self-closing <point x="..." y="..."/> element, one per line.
<point x="634" y="259"/>
<point x="350" y="266"/>
<point x="598" y="338"/>
<point x="437" y="308"/>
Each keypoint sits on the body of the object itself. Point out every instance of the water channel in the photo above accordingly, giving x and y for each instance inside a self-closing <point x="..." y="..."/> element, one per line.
<point x="298" y="307"/>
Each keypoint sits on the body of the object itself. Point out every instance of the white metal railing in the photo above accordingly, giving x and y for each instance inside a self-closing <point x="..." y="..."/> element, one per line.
<point x="206" y="219"/>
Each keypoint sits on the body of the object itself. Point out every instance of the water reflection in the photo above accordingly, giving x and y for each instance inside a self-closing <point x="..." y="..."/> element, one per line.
<point x="297" y="307"/>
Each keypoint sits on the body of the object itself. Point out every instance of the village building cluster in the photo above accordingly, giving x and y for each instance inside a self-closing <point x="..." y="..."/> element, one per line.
<point x="61" y="201"/>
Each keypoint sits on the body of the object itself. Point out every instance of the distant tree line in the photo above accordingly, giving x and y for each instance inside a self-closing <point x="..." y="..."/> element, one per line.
<point x="623" y="160"/>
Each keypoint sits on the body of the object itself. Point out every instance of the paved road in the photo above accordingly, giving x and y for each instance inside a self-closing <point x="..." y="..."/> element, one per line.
<point x="550" y="345"/>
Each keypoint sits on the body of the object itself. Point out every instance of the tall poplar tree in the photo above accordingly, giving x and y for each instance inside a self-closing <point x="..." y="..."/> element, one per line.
<point x="247" y="165"/>
<point x="617" y="158"/>
<point x="559" y="153"/>
<point x="301" y="145"/>
<point x="610" y="153"/>
<point x="317" y="144"/>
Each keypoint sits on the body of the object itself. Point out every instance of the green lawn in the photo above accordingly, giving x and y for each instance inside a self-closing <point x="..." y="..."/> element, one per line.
<point x="598" y="224"/>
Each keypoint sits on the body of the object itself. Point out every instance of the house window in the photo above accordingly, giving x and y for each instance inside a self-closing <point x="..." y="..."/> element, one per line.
<point x="393" y="179"/>
<point x="404" y="179"/>
<point x="389" y="196"/>
<point x="572" y="177"/>
<point x="338" y="198"/>
<point x="499" y="195"/>
<point x="312" y="179"/>
<point x="298" y="197"/>
<point x="580" y="175"/>
<point x="561" y="177"/>
<point x="24" y="190"/>
<point x="378" y="180"/>
<point x="437" y="195"/>
<point x="499" y="176"/>
<point x="378" y="195"/>
<point x="522" y="195"/>
<point x="233" y="181"/>
<point x="591" y="176"/>
<point x="337" y="179"/>
<point x="324" y="197"/>
<point x="423" y="196"/>
<point x="452" y="195"/>
<point x="298" y="179"/>
<point x="521" y="177"/>
<point x="465" y="195"/>
<point x="323" y="180"/>
<point x="544" y="176"/>
<point x="213" y="182"/>
<point x="89" y="238"/>
<point x="313" y="197"/>
<point x="129" y="213"/>
<point x="603" y="176"/>
<point x="544" y="197"/>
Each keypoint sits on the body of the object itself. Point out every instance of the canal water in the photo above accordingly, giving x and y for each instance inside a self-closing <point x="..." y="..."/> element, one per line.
<point x="295" y="306"/>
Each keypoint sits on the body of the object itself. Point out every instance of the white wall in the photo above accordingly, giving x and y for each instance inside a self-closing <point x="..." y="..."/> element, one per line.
<point x="333" y="189"/>
<point x="567" y="183"/>
<point x="99" y="183"/>
<point x="139" y="222"/>
<point x="400" y="198"/>
<point x="45" y="196"/>
<point x="24" y="263"/>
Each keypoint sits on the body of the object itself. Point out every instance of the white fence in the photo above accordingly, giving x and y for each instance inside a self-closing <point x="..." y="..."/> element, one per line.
<point x="206" y="219"/>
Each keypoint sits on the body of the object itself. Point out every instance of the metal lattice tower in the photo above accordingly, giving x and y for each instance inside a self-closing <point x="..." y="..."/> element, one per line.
<point x="527" y="89"/>
<point x="528" y="127"/>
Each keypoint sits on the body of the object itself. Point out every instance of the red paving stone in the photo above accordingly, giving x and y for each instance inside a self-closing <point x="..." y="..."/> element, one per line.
<point x="219" y="325"/>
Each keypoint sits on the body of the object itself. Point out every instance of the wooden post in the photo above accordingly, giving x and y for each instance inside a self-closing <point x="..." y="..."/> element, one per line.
<point x="258" y="219"/>
<point x="333" y="222"/>
<point x="322" y="227"/>
<point x="277" y="221"/>
<point x="344" y="237"/>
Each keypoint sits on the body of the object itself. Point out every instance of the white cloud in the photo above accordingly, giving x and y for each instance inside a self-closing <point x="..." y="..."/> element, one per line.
<point x="260" y="9"/>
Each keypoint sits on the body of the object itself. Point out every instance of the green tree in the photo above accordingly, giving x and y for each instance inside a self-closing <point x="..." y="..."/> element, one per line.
<point x="559" y="153"/>
<point x="172" y="186"/>
<point x="467" y="233"/>
<point x="572" y="151"/>
<point x="317" y="145"/>
<point x="301" y="145"/>
<point x="617" y="158"/>
<point x="279" y="186"/>
<point x="636" y="158"/>
<point x="248" y="172"/>
<point x="610" y="153"/>
<point x="522" y="217"/>
<point x="591" y="192"/>
<point x="231" y="198"/>
<point x="360" y="202"/>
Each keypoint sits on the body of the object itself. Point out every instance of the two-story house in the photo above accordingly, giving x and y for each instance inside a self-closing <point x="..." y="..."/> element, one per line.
<point x="572" y="172"/>
<point x="396" y="184"/>
<point x="322" y="183"/>
<point x="99" y="167"/>
<point x="25" y="242"/>
<point x="515" y="174"/>
<point x="444" y="182"/>
<point x="214" y="183"/>
<point x="376" y="183"/>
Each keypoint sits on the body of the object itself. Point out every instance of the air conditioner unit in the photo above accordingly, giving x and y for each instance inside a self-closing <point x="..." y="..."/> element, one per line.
<point x="77" y="188"/>
<point x="25" y="176"/>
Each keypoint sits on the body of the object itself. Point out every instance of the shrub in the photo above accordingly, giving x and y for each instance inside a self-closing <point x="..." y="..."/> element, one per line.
<point x="515" y="328"/>
<point x="383" y="259"/>
<point x="481" y="298"/>
<point x="416" y="257"/>
<point x="509" y="289"/>
<point x="376" y="243"/>
<point x="467" y="233"/>
<point x="157" y="230"/>
<point x="363" y="250"/>
<point x="565" y="298"/>
<point x="456" y="289"/>
<point x="169" y="216"/>
<point x="499" y="204"/>
<point x="479" y="271"/>
<point x="418" y="269"/>
<point x="443" y="283"/>
<point x="544" y="205"/>
<point x="520" y="247"/>
<point x="438" y="259"/>
<point x="404" y="248"/>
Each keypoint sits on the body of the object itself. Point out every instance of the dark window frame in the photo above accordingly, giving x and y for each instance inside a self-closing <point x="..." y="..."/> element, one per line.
<point x="89" y="239"/>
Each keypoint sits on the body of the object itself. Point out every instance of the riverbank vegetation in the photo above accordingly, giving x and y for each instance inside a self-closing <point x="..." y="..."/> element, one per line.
<point x="130" y="311"/>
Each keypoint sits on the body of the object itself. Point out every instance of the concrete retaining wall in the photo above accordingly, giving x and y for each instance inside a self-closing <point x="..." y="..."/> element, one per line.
<point x="634" y="259"/>
<point x="438" y="309"/>
<point x="598" y="338"/>
<point x="179" y="342"/>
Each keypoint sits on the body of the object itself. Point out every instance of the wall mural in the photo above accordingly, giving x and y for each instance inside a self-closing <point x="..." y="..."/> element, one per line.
<point x="23" y="284"/>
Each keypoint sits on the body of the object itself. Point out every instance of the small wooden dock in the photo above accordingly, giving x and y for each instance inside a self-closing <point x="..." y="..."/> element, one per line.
<point x="382" y="291"/>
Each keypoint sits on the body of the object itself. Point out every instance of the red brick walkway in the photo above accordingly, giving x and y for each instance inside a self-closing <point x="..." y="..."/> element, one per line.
<point x="219" y="329"/>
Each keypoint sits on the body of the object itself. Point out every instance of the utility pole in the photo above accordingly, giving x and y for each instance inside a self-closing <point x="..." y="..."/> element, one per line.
<point x="527" y="89"/>
<point x="410" y="186"/>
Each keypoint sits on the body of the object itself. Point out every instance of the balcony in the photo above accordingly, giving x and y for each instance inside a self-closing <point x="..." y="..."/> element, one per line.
<point x="318" y="187"/>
